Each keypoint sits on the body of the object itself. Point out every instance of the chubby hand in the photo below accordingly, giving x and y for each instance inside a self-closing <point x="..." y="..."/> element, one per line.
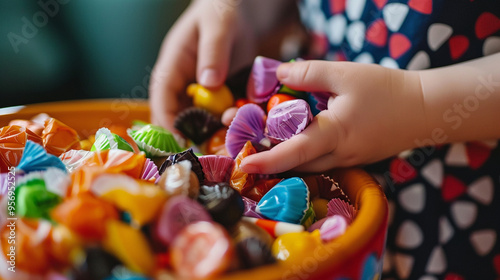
<point x="209" y="40"/>
<point x="374" y="112"/>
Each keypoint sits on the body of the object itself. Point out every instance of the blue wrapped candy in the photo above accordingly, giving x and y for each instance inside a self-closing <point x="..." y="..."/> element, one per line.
<point x="35" y="158"/>
<point x="287" y="201"/>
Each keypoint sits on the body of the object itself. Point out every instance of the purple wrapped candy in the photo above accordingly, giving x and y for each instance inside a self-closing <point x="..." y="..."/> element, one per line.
<point x="247" y="125"/>
<point x="262" y="83"/>
<point x="150" y="171"/>
<point x="288" y="119"/>
<point x="337" y="206"/>
<point x="178" y="212"/>
<point x="250" y="208"/>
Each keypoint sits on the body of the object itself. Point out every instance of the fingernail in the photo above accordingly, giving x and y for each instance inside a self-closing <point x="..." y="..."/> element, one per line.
<point x="209" y="78"/>
<point x="283" y="71"/>
<point x="250" y="168"/>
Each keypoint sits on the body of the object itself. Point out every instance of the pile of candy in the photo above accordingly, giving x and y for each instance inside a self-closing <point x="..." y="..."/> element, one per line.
<point x="142" y="202"/>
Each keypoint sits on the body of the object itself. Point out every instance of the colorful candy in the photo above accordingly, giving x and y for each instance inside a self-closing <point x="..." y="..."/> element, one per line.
<point x="59" y="138"/>
<point x="215" y="101"/>
<point x="105" y="140"/>
<point x="287" y="201"/>
<point x="275" y="228"/>
<point x="155" y="141"/>
<point x="288" y="119"/>
<point x="178" y="179"/>
<point x="224" y="204"/>
<point x="197" y="124"/>
<point x="290" y="248"/>
<point x="202" y="250"/>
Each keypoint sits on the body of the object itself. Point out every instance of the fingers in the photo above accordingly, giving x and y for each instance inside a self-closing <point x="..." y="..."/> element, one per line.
<point x="319" y="138"/>
<point x="214" y="49"/>
<point x="174" y="69"/>
<point x="316" y="75"/>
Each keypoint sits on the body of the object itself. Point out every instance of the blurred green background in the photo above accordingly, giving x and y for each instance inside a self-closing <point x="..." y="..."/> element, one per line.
<point x="78" y="49"/>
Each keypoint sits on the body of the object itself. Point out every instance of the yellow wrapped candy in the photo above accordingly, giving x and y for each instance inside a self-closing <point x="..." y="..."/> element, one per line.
<point x="214" y="101"/>
<point x="130" y="246"/>
<point x="290" y="248"/>
<point x="142" y="200"/>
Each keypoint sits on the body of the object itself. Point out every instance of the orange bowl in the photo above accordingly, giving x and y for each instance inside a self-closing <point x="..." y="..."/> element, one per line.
<point x="355" y="255"/>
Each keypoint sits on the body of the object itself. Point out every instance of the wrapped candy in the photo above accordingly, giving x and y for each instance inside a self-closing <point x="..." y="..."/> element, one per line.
<point x="12" y="141"/>
<point x="130" y="246"/>
<point x="155" y="141"/>
<point x="214" y="101"/>
<point x="177" y="213"/>
<point x="288" y="119"/>
<point x="35" y="127"/>
<point x="59" y="138"/>
<point x="202" y="250"/>
<point x="337" y="206"/>
<point x="260" y="188"/>
<point x="105" y="140"/>
<point x="224" y="204"/>
<point x="277" y="99"/>
<point x="178" y="179"/>
<point x="239" y="180"/>
<point x="290" y="248"/>
<point x="275" y="228"/>
<point x="73" y="159"/>
<point x="142" y="200"/>
<point x="96" y="264"/>
<point x="250" y="208"/>
<point x="216" y="168"/>
<point x="85" y="215"/>
<point x="216" y="144"/>
<point x="333" y="227"/>
<point x="197" y="124"/>
<point x="185" y="155"/>
<point x="288" y="201"/>
<point x="252" y="252"/>
<point x="247" y="125"/>
<point x="150" y="171"/>
<point x="318" y="101"/>
<point x="262" y="82"/>
<point x="35" y="158"/>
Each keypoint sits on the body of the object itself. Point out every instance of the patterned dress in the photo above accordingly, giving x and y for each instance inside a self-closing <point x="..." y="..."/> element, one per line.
<point x="444" y="201"/>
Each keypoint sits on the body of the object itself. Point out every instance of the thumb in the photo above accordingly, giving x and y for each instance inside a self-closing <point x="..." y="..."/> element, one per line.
<point x="313" y="75"/>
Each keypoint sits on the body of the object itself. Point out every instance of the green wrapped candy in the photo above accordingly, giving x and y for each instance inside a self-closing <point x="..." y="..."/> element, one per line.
<point x="105" y="140"/>
<point x="155" y="141"/>
<point x="309" y="217"/>
<point x="33" y="200"/>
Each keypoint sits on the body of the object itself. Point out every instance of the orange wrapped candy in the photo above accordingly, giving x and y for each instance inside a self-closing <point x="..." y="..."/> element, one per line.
<point x="35" y="127"/>
<point x="107" y="161"/>
<point x="59" y="138"/>
<point x="85" y="215"/>
<point x="32" y="239"/>
<point x="12" y="141"/>
<point x="260" y="188"/>
<point x="122" y="132"/>
<point x="241" y="181"/>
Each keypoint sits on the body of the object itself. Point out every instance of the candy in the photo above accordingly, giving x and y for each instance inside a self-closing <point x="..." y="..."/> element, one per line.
<point x="197" y="124"/>
<point x="122" y="132"/>
<point x="64" y="245"/>
<point x="287" y="201"/>
<point x="333" y="227"/>
<point x="150" y="171"/>
<point x="35" y="127"/>
<point x="319" y="207"/>
<point x="32" y="237"/>
<point x="224" y="204"/>
<point x="85" y="215"/>
<point x="337" y="206"/>
<point x="324" y="187"/>
<point x="202" y="250"/>
<point x="318" y="101"/>
<point x="247" y="125"/>
<point x="252" y="252"/>
<point x="288" y="119"/>
<point x="142" y="200"/>
<point x="260" y="188"/>
<point x="130" y="246"/>
<point x="33" y="200"/>
<point x="215" y="101"/>
<point x="292" y="92"/>
<point x="59" y="138"/>
<point x="73" y="159"/>
<point x="177" y="213"/>
<point x="309" y="217"/>
<point x="241" y="181"/>
<point x="262" y="82"/>
<point x="290" y="248"/>
<point x="95" y="263"/>
<point x="216" y="144"/>
<point x="250" y="208"/>
<point x="155" y="141"/>
<point x="178" y="179"/>
<point x="104" y="140"/>
<point x="216" y="168"/>
<point x="275" y="228"/>
<point x="12" y="141"/>
<point x="36" y="158"/>
<point x="277" y="99"/>
<point x="185" y="155"/>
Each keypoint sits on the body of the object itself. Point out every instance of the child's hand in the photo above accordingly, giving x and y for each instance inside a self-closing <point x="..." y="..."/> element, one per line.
<point x="201" y="44"/>
<point x="374" y="112"/>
